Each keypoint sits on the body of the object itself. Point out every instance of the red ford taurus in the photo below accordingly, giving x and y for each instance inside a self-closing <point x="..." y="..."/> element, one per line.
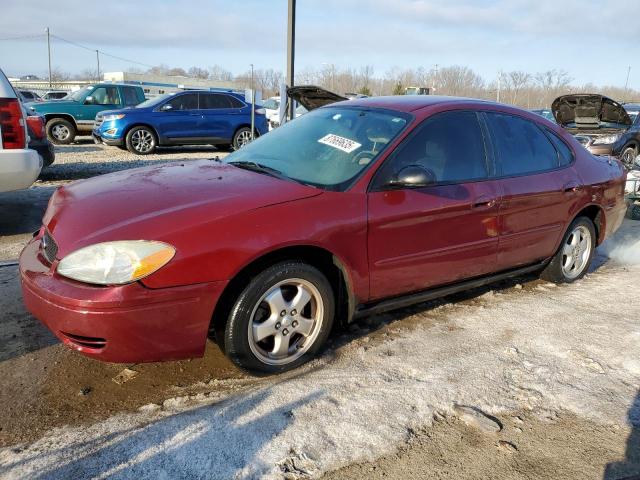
<point x="351" y="209"/>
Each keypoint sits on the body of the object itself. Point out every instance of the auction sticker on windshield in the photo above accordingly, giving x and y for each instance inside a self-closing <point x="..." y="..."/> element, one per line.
<point x="340" y="143"/>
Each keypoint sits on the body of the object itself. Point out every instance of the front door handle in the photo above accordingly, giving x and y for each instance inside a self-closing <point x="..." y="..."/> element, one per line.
<point x="483" y="203"/>
<point x="571" y="187"/>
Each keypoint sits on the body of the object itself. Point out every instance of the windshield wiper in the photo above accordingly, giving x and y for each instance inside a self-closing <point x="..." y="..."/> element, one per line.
<point x="260" y="168"/>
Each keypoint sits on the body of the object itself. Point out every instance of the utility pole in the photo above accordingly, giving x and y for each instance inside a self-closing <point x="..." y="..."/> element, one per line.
<point x="435" y="79"/>
<point x="49" y="53"/>
<point x="498" y="91"/>
<point x="291" y="50"/>
<point x="253" y="107"/>
<point x="626" y="83"/>
<point x="98" y="59"/>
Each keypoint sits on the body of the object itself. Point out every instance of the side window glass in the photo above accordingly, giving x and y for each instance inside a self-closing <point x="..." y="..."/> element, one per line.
<point x="564" y="152"/>
<point x="449" y="145"/>
<point x="106" y="96"/>
<point x="521" y="146"/>
<point x="214" y="101"/>
<point x="184" y="102"/>
<point x="130" y="96"/>
<point x="235" y="103"/>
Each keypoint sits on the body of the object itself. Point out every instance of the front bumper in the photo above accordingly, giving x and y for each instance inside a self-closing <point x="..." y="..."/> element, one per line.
<point x="19" y="168"/>
<point x="113" y="142"/>
<point x="124" y="324"/>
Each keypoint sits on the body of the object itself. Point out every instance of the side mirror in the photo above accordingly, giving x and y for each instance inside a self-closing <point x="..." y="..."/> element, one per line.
<point x="88" y="100"/>
<point x="413" y="176"/>
<point x="166" y="107"/>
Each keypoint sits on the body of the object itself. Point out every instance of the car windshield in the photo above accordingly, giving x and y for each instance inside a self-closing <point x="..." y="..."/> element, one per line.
<point x="327" y="148"/>
<point x="152" y="102"/>
<point x="79" y="94"/>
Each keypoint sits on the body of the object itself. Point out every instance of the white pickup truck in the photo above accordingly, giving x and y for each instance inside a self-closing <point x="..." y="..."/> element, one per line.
<point x="19" y="166"/>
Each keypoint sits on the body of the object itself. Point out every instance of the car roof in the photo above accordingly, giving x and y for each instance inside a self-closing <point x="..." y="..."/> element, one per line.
<point x="411" y="103"/>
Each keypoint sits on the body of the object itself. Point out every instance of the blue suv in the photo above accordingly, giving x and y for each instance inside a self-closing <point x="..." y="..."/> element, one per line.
<point x="202" y="117"/>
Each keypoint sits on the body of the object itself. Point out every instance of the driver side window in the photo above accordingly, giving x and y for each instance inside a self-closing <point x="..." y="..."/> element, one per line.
<point x="449" y="146"/>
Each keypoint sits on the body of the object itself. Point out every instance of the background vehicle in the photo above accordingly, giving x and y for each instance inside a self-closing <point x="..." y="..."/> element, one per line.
<point x="309" y="97"/>
<point x="38" y="140"/>
<point x="19" y="165"/>
<point x="596" y="121"/>
<point x="75" y="114"/>
<point x="633" y="109"/>
<point x="272" y="111"/>
<point x="352" y="209"/>
<point x="543" y="112"/>
<point x="28" y="96"/>
<point x="192" y="117"/>
<point x="416" y="91"/>
<point x="55" y="94"/>
<point x="627" y="146"/>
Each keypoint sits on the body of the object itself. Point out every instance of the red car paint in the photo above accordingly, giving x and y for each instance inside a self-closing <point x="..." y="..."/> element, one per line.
<point x="220" y="219"/>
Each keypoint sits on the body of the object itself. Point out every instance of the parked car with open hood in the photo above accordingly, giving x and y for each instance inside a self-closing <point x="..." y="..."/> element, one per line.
<point x="309" y="97"/>
<point x="596" y="121"/>
<point x="352" y="209"/>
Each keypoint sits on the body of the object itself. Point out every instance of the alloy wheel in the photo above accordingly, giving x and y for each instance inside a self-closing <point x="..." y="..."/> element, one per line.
<point x="142" y="141"/>
<point x="244" y="138"/>
<point x="60" y="132"/>
<point x="576" y="252"/>
<point x="628" y="157"/>
<point x="286" y="321"/>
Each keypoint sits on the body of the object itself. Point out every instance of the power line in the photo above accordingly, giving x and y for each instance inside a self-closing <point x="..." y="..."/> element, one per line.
<point x="22" y="37"/>
<point x="101" y="52"/>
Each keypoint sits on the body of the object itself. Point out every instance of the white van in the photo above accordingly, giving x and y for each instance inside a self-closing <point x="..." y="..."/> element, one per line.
<point x="19" y="166"/>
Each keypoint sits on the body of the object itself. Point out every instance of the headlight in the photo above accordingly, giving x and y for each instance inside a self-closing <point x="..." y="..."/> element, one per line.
<point x="606" y="139"/>
<point x="116" y="263"/>
<point x="107" y="118"/>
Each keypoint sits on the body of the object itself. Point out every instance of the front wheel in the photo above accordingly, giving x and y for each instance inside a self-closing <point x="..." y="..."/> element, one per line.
<point x="281" y="319"/>
<point x="574" y="256"/>
<point x="141" y="141"/>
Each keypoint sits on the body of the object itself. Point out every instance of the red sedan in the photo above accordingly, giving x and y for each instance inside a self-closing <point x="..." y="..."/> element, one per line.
<point x="351" y="209"/>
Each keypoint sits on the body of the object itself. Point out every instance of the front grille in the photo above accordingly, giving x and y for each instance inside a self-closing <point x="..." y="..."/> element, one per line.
<point x="86" y="342"/>
<point x="98" y="121"/>
<point x="49" y="247"/>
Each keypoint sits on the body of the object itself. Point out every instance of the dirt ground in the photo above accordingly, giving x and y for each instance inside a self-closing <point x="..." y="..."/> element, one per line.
<point x="45" y="387"/>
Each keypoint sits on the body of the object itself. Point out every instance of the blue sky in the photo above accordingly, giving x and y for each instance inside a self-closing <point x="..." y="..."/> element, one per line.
<point x="586" y="38"/>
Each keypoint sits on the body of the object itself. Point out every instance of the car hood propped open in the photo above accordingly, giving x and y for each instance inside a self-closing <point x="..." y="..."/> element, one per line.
<point x="589" y="111"/>
<point x="312" y="97"/>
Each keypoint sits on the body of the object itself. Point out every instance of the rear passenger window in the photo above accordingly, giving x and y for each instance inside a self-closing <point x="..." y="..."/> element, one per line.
<point x="450" y="145"/>
<point x="214" y="101"/>
<point x="521" y="146"/>
<point x="235" y="102"/>
<point x="564" y="152"/>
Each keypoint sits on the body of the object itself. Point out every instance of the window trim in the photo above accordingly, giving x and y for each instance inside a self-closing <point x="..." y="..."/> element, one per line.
<point x="498" y="160"/>
<point x="378" y="185"/>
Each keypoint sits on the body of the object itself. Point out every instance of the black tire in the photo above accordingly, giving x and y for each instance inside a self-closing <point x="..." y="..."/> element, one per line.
<point x="224" y="147"/>
<point x="241" y="349"/>
<point x="554" y="271"/>
<point x="141" y="140"/>
<point x="239" y="138"/>
<point x="628" y="156"/>
<point x="634" y="212"/>
<point x="61" y="131"/>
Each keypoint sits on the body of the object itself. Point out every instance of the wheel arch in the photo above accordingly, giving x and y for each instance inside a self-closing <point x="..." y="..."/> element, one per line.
<point x="596" y="214"/>
<point x="324" y="260"/>
<point x="140" y="124"/>
<point x="64" y="116"/>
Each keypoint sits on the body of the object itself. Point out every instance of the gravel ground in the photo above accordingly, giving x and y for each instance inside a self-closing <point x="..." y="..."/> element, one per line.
<point x="523" y="379"/>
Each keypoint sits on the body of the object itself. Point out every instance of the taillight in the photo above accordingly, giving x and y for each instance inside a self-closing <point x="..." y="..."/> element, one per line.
<point x="12" y="124"/>
<point x="36" y="126"/>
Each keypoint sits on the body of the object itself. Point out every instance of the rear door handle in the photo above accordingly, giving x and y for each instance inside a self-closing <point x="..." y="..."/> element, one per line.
<point x="483" y="203"/>
<point x="571" y="187"/>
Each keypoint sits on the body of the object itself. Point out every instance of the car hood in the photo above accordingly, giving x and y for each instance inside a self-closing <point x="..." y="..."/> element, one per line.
<point x="50" y="104"/>
<point x="588" y="111"/>
<point x="312" y="97"/>
<point x="160" y="203"/>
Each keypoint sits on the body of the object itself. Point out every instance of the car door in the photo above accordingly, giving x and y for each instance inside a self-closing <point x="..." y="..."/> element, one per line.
<point x="178" y="119"/>
<point x="219" y="116"/>
<point x="100" y="99"/>
<point x="539" y="189"/>
<point x="436" y="234"/>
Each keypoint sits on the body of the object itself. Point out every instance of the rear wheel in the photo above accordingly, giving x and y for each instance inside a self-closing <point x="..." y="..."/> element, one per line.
<point x="141" y="141"/>
<point x="60" y="131"/>
<point x="574" y="256"/>
<point x="628" y="156"/>
<point x="281" y="319"/>
<point x="241" y="138"/>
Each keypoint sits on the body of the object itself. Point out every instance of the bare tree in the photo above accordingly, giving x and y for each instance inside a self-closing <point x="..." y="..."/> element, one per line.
<point x="460" y="81"/>
<point x="216" y="72"/>
<point x="197" y="72"/>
